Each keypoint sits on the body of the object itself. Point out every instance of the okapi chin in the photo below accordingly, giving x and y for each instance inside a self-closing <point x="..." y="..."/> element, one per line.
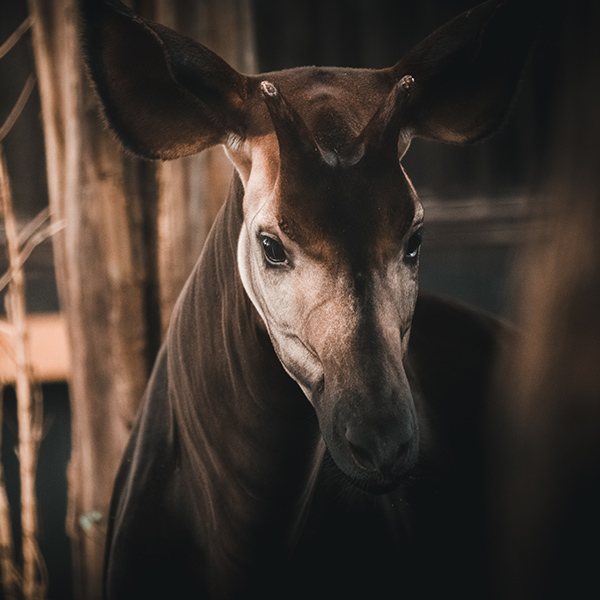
<point x="300" y="363"/>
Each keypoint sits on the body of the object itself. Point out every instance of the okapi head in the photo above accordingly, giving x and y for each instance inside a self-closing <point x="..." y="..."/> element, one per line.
<point x="328" y="250"/>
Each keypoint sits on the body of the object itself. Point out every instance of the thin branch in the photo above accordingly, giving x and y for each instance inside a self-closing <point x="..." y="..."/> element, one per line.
<point x="32" y="226"/>
<point x="16" y="35"/>
<point x="35" y="240"/>
<point x="32" y="581"/>
<point x="29" y="403"/>
<point x="8" y="567"/>
<point x="18" y="107"/>
<point x="32" y="243"/>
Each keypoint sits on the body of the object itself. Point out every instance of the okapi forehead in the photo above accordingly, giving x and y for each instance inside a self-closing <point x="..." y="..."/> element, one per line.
<point x="357" y="207"/>
<point x="348" y="212"/>
<point x="336" y="103"/>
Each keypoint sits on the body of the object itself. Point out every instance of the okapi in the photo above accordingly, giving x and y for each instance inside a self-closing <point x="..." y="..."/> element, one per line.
<point x="292" y="442"/>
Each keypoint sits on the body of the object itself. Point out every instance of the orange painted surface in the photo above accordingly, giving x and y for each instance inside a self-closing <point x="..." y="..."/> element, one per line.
<point x="48" y="349"/>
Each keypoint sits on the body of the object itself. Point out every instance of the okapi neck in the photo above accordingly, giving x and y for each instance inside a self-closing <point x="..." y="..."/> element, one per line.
<point x="248" y="432"/>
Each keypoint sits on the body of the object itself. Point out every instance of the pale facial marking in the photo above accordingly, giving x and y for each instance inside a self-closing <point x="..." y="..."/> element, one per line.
<point x="308" y="305"/>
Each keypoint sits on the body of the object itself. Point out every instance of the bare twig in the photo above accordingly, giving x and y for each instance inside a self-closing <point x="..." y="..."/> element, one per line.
<point x="8" y="567"/>
<point x="32" y="581"/>
<point x="29" y="405"/>
<point x="17" y="34"/>
<point x="30" y="245"/>
<point x="36" y="223"/>
<point x="18" y="107"/>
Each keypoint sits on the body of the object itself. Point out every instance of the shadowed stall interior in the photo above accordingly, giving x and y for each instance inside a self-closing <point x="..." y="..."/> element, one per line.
<point x="545" y="429"/>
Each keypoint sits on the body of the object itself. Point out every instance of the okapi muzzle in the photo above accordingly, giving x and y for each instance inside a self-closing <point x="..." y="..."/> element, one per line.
<point x="328" y="255"/>
<point x="367" y="413"/>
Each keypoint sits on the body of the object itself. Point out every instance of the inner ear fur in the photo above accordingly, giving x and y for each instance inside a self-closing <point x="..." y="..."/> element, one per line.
<point x="467" y="72"/>
<point x="165" y="95"/>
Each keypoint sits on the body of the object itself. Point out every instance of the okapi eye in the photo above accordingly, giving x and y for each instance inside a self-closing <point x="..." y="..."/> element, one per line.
<point x="273" y="250"/>
<point x="414" y="243"/>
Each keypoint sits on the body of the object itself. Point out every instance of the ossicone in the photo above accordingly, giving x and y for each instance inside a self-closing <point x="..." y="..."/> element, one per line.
<point x="382" y="133"/>
<point x="295" y="138"/>
<point x="297" y="143"/>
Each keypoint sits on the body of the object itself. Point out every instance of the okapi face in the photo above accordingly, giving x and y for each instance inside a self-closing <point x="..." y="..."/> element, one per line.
<point x="328" y="254"/>
<point x="329" y="246"/>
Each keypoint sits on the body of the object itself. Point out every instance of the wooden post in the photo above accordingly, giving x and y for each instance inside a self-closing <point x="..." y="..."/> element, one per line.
<point x="133" y="231"/>
<point x="101" y="267"/>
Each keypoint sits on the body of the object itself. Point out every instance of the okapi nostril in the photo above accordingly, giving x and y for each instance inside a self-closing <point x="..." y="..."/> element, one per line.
<point x="401" y="456"/>
<point x="376" y="453"/>
<point x="362" y="457"/>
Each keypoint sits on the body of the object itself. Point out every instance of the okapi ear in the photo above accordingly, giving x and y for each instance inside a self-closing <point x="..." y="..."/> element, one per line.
<point x="165" y="95"/>
<point x="467" y="72"/>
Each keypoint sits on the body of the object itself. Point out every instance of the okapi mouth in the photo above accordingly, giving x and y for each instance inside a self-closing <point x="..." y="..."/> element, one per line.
<point x="383" y="485"/>
<point x="375" y="455"/>
<point x="376" y="484"/>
